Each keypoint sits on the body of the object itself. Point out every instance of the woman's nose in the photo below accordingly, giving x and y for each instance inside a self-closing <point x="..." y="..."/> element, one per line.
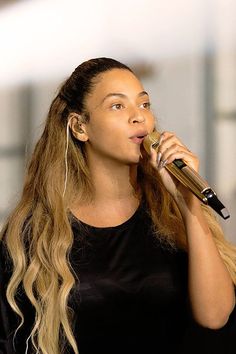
<point x="136" y="116"/>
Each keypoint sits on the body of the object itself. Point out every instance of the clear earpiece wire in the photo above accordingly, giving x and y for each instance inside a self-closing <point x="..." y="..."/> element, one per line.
<point x="65" y="158"/>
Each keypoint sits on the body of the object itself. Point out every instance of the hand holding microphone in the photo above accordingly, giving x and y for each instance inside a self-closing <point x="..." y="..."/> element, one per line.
<point x="183" y="172"/>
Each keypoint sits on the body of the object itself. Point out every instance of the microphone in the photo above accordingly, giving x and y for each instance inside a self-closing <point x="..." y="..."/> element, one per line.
<point x="189" y="178"/>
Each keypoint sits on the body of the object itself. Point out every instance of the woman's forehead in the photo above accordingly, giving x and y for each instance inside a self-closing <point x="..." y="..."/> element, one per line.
<point x="116" y="81"/>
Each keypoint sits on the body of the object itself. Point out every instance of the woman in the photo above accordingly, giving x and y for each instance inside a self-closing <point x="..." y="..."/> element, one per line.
<point x="106" y="252"/>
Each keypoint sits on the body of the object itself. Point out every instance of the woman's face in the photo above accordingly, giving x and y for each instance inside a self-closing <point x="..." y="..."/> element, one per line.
<point x="120" y="117"/>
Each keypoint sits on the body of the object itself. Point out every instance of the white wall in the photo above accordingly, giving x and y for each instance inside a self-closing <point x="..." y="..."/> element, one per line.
<point x="42" y="41"/>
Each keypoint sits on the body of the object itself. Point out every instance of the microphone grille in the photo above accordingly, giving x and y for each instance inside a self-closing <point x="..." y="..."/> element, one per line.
<point x="151" y="140"/>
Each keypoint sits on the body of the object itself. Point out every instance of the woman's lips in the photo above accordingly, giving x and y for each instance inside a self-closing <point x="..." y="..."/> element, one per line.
<point x="138" y="136"/>
<point x="137" y="139"/>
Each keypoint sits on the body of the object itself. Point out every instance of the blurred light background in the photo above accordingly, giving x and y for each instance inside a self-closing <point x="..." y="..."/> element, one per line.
<point x="183" y="50"/>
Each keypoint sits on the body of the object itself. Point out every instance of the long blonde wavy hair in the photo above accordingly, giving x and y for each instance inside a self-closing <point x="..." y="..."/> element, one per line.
<point x="38" y="234"/>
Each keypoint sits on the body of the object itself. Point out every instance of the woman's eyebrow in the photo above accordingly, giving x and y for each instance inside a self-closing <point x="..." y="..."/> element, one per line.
<point x="122" y="95"/>
<point x="143" y="93"/>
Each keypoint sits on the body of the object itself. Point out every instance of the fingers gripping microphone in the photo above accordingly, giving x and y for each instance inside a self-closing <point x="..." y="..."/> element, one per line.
<point x="189" y="178"/>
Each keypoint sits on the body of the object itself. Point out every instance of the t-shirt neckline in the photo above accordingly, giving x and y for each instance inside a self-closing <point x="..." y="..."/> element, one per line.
<point x="123" y="225"/>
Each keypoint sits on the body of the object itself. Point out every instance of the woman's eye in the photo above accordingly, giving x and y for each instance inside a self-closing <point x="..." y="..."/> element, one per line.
<point x="146" y="105"/>
<point x="117" y="106"/>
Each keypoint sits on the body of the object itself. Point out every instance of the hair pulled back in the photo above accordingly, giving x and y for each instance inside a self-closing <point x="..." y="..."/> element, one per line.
<point x="38" y="235"/>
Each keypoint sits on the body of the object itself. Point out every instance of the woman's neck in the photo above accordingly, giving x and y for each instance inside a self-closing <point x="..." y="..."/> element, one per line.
<point x="115" y="197"/>
<point x="113" y="182"/>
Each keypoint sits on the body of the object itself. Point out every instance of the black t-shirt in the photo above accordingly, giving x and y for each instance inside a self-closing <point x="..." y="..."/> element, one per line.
<point x="131" y="296"/>
<point x="133" y="291"/>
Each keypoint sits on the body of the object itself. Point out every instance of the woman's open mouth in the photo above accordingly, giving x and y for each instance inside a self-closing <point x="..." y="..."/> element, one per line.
<point x="137" y="139"/>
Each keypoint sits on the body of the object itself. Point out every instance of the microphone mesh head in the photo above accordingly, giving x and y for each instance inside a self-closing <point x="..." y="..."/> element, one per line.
<point x="151" y="140"/>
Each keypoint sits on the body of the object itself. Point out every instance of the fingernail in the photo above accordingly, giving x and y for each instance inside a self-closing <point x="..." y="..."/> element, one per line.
<point x="163" y="163"/>
<point x="160" y="140"/>
<point x="158" y="158"/>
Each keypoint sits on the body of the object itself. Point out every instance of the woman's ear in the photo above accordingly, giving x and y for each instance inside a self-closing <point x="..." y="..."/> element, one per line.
<point x="77" y="126"/>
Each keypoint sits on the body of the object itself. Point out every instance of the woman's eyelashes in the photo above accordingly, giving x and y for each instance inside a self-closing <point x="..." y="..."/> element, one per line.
<point x="146" y="105"/>
<point x="119" y="106"/>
